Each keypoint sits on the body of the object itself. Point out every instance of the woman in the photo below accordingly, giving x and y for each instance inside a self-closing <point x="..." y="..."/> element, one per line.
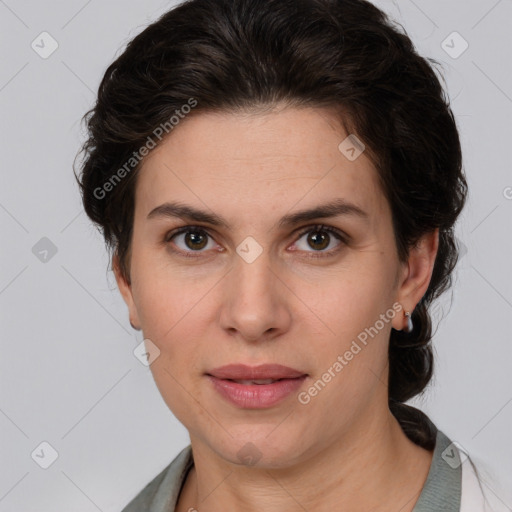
<point x="279" y="181"/>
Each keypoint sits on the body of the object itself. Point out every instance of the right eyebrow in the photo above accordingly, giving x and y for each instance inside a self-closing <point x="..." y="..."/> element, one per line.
<point x="187" y="212"/>
<point x="323" y="211"/>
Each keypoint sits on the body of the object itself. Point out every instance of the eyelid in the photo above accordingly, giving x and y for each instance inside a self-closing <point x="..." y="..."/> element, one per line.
<point x="342" y="237"/>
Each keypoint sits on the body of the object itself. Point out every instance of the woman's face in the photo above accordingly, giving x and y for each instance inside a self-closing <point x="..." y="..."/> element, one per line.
<point x="261" y="291"/>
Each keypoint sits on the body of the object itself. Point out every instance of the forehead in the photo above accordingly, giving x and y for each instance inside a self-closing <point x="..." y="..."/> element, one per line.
<point x="254" y="164"/>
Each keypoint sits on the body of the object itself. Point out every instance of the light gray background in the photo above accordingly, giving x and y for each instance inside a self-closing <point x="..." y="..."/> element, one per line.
<point x="68" y="375"/>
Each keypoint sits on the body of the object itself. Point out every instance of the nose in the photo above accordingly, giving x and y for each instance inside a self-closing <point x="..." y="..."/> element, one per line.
<point x="255" y="302"/>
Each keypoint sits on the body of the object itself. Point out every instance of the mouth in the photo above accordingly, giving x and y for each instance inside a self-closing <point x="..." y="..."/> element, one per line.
<point x="259" y="382"/>
<point x="241" y="372"/>
<point x="256" y="387"/>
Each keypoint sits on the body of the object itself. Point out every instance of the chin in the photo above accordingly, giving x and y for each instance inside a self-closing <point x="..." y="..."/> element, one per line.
<point x="259" y="447"/>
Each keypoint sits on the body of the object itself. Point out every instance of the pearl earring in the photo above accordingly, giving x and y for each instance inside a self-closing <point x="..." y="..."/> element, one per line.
<point x="409" y="327"/>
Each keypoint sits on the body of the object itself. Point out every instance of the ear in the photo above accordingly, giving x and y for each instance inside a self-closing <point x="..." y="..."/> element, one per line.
<point x="126" y="291"/>
<point x="416" y="275"/>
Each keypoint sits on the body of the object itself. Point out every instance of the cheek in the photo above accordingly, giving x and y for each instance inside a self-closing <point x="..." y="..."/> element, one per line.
<point x="348" y="373"/>
<point x="350" y="304"/>
<point x="351" y="351"/>
<point x="165" y="304"/>
<point x="177" y="369"/>
<point x="172" y="323"/>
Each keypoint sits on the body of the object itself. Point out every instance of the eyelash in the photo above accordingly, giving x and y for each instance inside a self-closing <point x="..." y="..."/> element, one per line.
<point x="318" y="227"/>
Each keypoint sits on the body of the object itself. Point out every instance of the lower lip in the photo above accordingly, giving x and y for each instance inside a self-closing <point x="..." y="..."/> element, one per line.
<point x="256" y="396"/>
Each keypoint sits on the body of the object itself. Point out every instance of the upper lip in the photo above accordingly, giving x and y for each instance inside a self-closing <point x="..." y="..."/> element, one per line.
<point x="263" y="371"/>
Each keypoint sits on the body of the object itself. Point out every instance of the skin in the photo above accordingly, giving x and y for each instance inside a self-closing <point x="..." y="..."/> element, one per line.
<point x="343" y="450"/>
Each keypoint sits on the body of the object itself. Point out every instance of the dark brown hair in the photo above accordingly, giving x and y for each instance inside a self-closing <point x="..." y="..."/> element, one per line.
<point x="243" y="55"/>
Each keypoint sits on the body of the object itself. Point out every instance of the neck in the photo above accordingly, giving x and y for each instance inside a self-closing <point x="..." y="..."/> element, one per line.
<point x="374" y="467"/>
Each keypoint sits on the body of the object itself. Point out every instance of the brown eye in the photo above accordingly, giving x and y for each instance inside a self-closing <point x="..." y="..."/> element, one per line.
<point x="195" y="240"/>
<point x="319" y="238"/>
<point x="189" y="239"/>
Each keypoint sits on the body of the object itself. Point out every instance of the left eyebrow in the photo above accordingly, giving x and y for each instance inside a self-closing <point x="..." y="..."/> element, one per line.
<point x="332" y="209"/>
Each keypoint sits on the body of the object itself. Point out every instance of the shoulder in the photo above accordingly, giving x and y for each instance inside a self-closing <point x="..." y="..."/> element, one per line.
<point x="481" y="491"/>
<point x="162" y="491"/>
<point x="459" y="482"/>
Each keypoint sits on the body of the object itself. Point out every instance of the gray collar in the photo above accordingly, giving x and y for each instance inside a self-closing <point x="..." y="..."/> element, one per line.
<point x="442" y="489"/>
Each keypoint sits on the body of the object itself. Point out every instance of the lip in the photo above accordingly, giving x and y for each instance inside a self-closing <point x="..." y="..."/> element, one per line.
<point x="263" y="371"/>
<point x="255" y="396"/>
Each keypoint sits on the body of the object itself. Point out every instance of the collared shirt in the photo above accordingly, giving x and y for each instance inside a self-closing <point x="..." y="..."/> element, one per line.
<point x="450" y="471"/>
